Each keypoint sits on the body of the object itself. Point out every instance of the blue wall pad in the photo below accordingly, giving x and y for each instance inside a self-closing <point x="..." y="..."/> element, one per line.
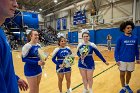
<point x="73" y="37"/>
<point x="100" y="36"/>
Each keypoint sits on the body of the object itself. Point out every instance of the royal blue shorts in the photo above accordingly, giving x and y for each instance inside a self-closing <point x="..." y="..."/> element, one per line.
<point x="64" y="70"/>
<point x="32" y="70"/>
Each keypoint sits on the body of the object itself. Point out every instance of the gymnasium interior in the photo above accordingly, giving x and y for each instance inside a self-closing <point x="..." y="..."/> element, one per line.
<point x="69" y="17"/>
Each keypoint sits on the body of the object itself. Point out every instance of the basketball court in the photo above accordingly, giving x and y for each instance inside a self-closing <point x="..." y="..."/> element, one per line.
<point x="105" y="78"/>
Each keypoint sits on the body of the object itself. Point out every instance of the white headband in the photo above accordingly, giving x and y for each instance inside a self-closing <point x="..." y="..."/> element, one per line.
<point x="28" y="31"/>
<point x="85" y="30"/>
<point x="60" y="34"/>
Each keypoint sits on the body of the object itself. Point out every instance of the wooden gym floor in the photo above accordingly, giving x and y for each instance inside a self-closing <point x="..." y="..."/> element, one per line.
<point x="106" y="78"/>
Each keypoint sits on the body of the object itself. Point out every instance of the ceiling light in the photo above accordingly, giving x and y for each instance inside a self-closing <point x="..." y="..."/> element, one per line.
<point x="40" y="9"/>
<point x="55" y="1"/>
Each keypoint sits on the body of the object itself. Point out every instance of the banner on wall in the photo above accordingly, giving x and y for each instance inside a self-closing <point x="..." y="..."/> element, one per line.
<point x="64" y="23"/>
<point x="79" y="17"/>
<point x="58" y="24"/>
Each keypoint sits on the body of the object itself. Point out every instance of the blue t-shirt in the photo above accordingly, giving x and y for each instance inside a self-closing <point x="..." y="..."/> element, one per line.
<point x="8" y="80"/>
<point x="127" y="49"/>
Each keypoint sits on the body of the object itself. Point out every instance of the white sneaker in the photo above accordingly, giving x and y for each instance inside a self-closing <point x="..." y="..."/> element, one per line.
<point x="69" y="90"/>
<point x="85" y="91"/>
<point x="90" y="91"/>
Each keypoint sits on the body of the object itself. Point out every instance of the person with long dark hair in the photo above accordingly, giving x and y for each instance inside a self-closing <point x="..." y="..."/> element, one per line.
<point x="58" y="56"/>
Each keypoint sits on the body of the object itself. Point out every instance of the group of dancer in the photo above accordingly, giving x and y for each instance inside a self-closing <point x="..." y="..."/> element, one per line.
<point x="126" y="52"/>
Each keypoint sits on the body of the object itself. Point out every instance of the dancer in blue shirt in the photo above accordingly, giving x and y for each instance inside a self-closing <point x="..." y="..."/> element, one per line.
<point x="126" y="52"/>
<point x="86" y="63"/>
<point x="9" y="82"/>
<point x="32" y="67"/>
<point x="59" y="55"/>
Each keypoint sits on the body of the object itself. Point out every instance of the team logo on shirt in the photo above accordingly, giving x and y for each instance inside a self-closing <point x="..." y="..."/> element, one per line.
<point x="129" y="42"/>
<point x="64" y="53"/>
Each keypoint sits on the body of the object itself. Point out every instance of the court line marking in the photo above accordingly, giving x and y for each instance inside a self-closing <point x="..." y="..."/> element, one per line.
<point x="95" y="76"/>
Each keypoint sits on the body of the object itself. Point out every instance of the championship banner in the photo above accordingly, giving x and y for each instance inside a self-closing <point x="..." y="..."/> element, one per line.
<point x="58" y="24"/>
<point x="64" y="23"/>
